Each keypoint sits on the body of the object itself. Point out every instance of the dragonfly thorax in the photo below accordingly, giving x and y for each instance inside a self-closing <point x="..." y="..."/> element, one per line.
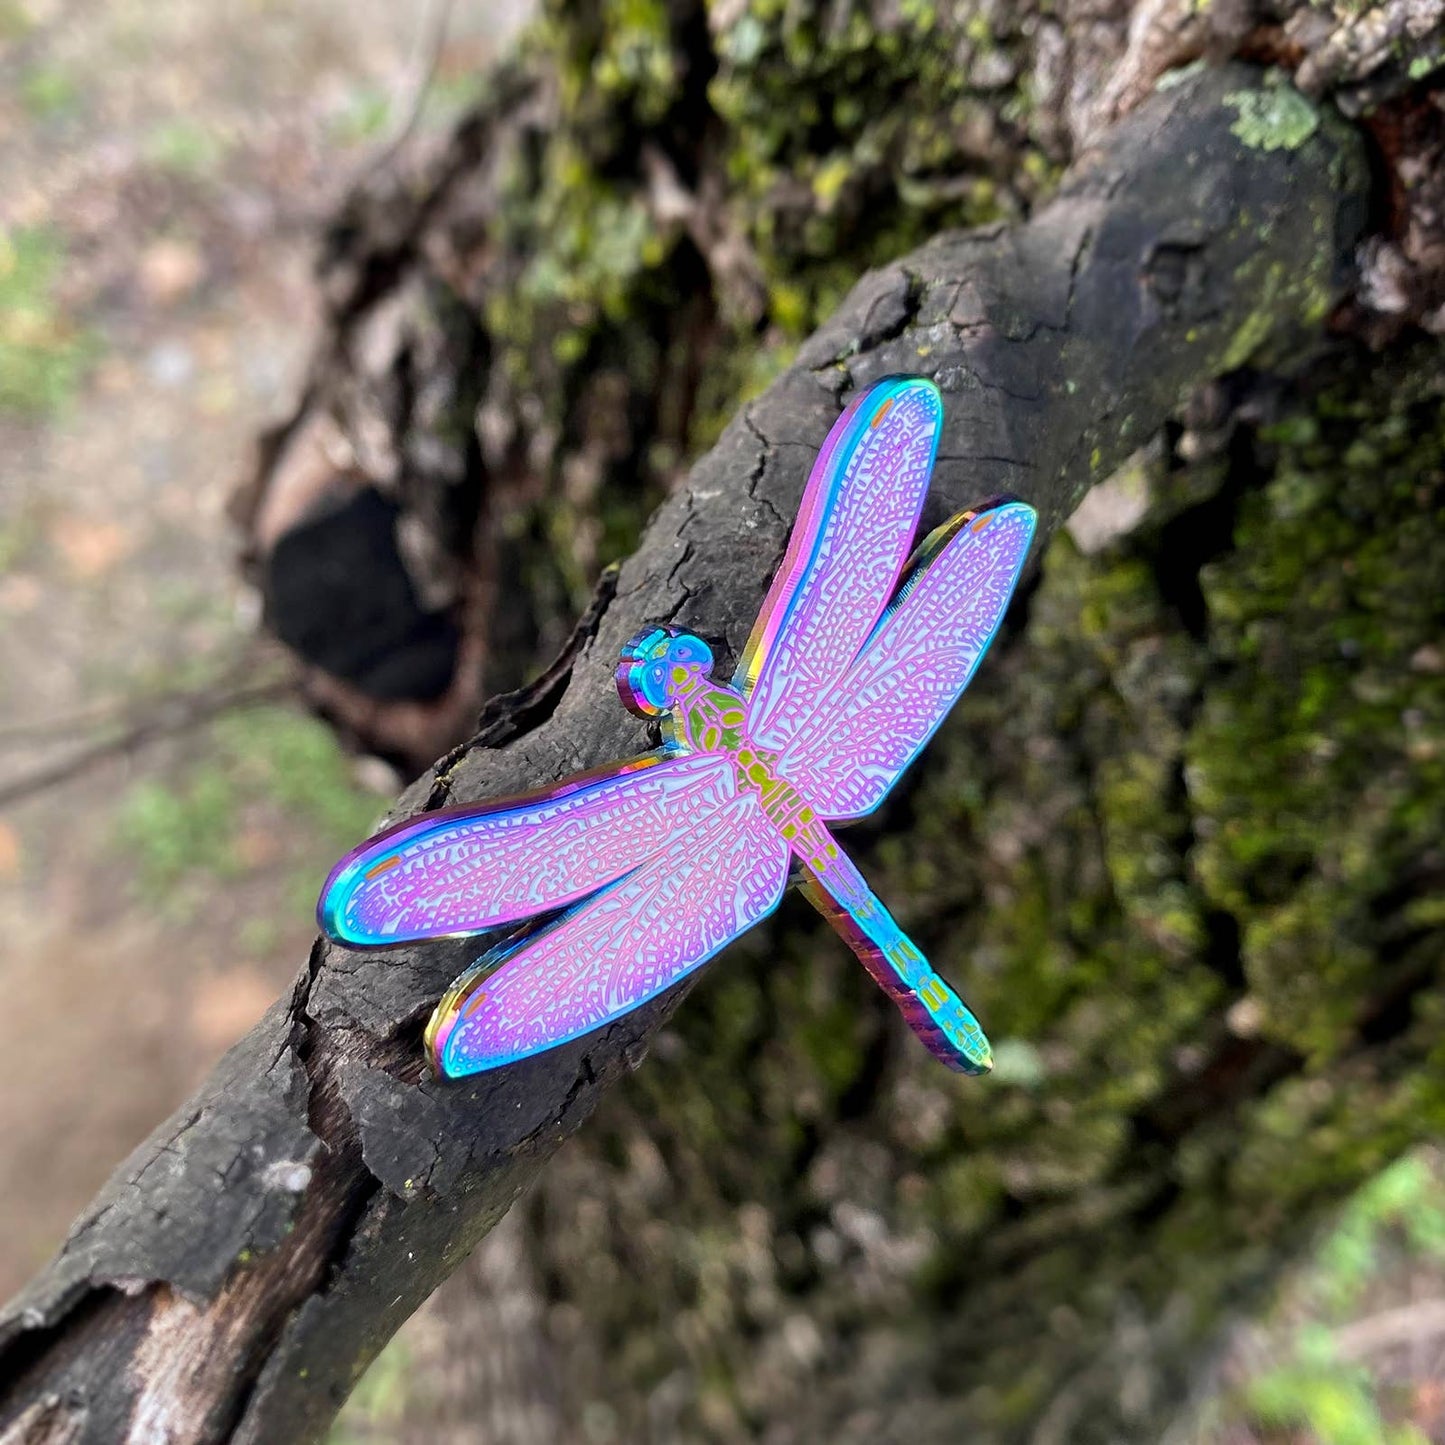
<point x="664" y="673"/>
<point x="708" y="718"/>
<point x="711" y="718"/>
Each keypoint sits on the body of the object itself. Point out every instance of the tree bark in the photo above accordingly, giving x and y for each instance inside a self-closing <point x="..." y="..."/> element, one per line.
<point x="247" y="1261"/>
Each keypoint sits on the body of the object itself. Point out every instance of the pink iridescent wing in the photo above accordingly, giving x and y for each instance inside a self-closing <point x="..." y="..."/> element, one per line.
<point x="854" y="530"/>
<point x="613" y="952"/>
<point x="462" y="870"/>
<point x="912" y="669"/>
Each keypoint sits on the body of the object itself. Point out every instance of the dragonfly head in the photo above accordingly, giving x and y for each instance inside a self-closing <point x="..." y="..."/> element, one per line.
<point x="658" y="666"/>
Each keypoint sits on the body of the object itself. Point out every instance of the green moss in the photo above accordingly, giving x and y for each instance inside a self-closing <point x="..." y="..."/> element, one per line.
<point x="186" y="147"/>
<point x="49" y="92"/>
<point x="193" y="823"/>
<point x="1339" y="750"/>
<point x="293" y="760"/>
<point x="1302" y="1380"/>
<point x="43" y="353"/>
<point x="1250" y="336"/>
<point x="170" y="831"/>
<point x="1305" y="290"/>
<point x="365" y="115"/>
<point x="1275" y="118"/>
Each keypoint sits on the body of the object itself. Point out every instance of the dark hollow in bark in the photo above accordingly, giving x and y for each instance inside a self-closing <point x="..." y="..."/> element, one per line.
<point x="242" y="1267"/>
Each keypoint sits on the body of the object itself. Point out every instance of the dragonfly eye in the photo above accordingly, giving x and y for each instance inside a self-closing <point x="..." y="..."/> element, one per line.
<point x="691" y="653"/>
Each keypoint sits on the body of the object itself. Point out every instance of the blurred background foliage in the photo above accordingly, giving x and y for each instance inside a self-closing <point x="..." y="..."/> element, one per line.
<point x="164" y="172"/>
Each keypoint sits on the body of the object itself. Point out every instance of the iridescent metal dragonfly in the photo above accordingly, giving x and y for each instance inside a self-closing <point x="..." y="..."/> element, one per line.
<point x="659" y="861"/>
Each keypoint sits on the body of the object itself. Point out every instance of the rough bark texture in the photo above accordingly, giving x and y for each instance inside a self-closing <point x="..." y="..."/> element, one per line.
<point x="248" y="1260"/>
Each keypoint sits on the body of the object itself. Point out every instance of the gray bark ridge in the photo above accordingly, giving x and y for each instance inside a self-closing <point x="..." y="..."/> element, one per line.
<point x="242" y="1267"/>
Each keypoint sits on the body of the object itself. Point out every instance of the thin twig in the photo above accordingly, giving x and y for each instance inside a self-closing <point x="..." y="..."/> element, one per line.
<point x="120" y="711"/>
<point x="175" y="715"/>
<point x="431" y="43"/>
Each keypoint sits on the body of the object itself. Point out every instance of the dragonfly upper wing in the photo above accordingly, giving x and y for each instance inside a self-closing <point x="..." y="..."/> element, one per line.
<point x="919" y="659"/>
<point x="462" y="870"/>
<point x="854" y="530"/>
<point x="618" y="949"/>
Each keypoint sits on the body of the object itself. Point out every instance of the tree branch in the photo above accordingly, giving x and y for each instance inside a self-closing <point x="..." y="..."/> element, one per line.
<point x="239" y="1271"/>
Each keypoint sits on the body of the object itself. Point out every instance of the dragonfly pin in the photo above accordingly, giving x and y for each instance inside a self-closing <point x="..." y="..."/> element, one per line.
<point x="658" y="862"/>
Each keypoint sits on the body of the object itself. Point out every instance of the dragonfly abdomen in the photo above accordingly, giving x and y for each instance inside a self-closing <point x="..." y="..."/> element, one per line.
<point x="713" y="719"/>
<point x="787" y="810"/>
<point x="936" y="1013"/>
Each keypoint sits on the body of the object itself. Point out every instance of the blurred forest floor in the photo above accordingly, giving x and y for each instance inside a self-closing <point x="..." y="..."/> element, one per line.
<point x="163" y="170"/>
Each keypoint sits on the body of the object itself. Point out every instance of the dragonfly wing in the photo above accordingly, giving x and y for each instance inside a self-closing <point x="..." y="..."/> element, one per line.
<point x="854" y="530"/>
<point x="912" y="669"/>
<point x="462" y="870"/>
<point x="618" y="949"/>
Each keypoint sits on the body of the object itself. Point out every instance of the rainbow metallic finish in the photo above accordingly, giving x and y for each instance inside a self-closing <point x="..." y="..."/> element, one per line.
<point x="658" y="862"/>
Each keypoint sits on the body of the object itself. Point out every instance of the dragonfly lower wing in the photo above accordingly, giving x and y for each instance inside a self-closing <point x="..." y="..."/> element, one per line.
<point x="618" y="949"/>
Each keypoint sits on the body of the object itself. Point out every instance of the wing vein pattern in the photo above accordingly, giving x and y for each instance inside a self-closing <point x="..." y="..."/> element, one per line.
<point x="913" y="668"/>
<point x="623" y="946"/>
<point x="467" y="869"/>
<point x="854" y="531"/>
